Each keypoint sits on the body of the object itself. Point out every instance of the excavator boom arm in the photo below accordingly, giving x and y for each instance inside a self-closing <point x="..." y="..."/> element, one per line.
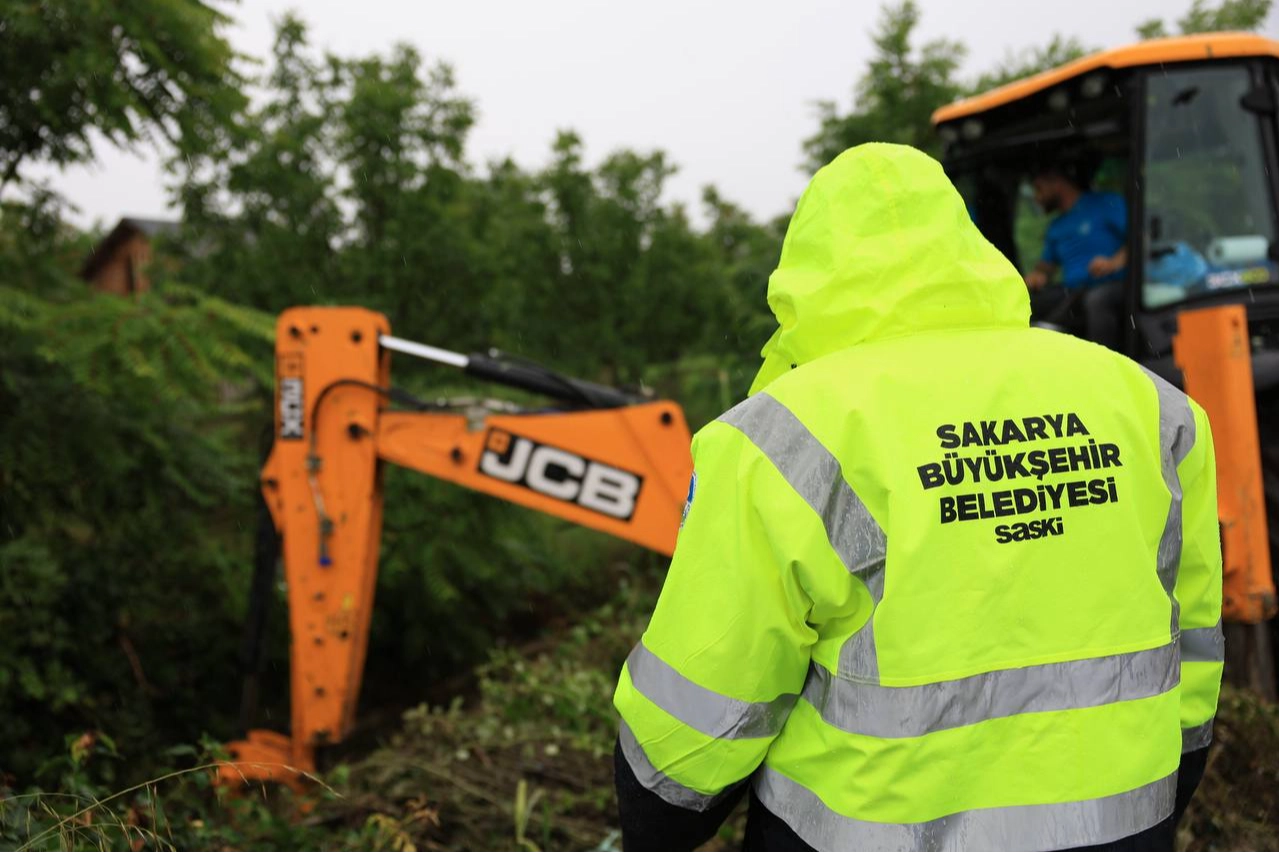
<point x="611" y="463"/>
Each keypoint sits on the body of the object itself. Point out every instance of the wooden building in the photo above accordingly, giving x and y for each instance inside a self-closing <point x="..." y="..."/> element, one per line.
<point x="119" y="263"/>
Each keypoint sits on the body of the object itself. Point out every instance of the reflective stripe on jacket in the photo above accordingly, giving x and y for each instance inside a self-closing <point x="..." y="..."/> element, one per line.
<point x="946" y="581"/>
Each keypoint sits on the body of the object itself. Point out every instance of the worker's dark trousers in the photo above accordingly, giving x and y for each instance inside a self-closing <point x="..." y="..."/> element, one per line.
<point x="650" y="823"/>
<point x="1097" y="313"/>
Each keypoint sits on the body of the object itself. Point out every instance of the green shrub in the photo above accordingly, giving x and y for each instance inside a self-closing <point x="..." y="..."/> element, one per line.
<point x="127" y="472"/>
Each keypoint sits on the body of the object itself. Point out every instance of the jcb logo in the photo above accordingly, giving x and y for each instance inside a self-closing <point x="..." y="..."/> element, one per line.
<point x="560" y="474"/>
<point x="291" y="408"/>
<point x="292" y="400"/>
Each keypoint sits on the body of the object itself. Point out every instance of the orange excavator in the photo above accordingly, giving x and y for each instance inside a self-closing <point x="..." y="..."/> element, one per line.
<point x="600" y="457"/>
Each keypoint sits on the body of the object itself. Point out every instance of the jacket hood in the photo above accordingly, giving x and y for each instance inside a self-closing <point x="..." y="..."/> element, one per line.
<point x="881" y="245"/>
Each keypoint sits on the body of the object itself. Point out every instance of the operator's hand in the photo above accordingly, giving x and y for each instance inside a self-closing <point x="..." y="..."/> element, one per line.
<point x="1102" y="266"/>
<point x="1036" y="279"/>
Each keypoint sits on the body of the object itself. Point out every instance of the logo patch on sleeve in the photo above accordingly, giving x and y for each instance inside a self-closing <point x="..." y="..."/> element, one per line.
<point x="688" y="501"/>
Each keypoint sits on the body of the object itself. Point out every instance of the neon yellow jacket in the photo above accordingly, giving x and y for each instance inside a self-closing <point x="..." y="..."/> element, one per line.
<point x="945" y="581"/>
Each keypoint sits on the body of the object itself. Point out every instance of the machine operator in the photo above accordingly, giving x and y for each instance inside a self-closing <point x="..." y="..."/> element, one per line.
<point x="1086" y="243"/>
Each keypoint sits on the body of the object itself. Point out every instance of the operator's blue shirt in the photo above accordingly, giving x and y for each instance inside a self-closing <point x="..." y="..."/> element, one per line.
<point x="1097" y="225"/>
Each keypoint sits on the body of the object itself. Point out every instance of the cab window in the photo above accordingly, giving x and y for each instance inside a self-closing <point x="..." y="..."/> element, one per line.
<point x="1209" y="219"/>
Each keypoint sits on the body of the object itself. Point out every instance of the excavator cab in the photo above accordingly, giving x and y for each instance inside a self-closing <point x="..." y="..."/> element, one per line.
<point x="1185" y="132"/>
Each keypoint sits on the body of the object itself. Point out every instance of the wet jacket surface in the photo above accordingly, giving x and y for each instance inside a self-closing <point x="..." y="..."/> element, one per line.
<point x="945" y="581"/>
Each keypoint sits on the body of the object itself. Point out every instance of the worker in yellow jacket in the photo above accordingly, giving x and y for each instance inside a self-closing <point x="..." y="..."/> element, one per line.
<point x="944" y="581"/>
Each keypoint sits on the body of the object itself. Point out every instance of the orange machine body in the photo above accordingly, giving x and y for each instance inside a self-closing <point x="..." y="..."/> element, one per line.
<point x="1212" y="350"/>
<point x="1161" y="52"/>
<point x="623" y="471"/>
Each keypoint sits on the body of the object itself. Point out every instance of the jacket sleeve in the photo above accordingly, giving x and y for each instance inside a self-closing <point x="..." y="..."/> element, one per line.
<point x="713" y="679"/>
<point x="1198" y="589"/>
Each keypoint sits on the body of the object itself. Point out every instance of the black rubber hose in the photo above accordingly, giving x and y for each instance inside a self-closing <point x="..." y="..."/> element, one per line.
<point x="541" y="380"/>
<point x="266" y="558"/>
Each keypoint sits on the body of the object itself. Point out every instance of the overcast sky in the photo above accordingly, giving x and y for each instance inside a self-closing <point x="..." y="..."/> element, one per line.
<point x="726" y="88"/>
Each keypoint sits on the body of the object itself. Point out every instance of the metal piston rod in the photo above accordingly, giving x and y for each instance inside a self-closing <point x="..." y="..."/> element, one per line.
<point x="526" y="376"/>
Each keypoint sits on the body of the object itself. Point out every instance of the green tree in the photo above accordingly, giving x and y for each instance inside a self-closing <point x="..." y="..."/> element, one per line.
<point x="895" y="98"/>
<point x="1015" y="66"/>
<point x="400" y="136"/>
<point x="635" y="283"/>
<point x="38" y="248"/>
<point x="347" y="184"/>
<point x="521" y="259"/>
<point x="747" y="254"/>
<point x="260" y="214"/>
<point x="1248" y="15"/>
<point x="128" y="71"/>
